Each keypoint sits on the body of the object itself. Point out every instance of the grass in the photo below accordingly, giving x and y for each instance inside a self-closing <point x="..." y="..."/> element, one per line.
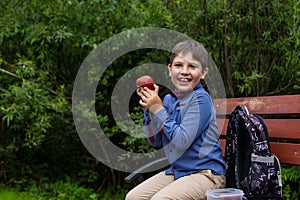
<point x="10" y="194"/>
<point x="61" y="191"/>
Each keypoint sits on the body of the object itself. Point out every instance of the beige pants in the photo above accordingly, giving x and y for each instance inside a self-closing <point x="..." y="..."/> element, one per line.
<point x="162" y="187"/>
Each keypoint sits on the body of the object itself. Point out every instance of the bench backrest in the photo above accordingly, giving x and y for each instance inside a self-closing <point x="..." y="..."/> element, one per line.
<point x="281" y="115"/>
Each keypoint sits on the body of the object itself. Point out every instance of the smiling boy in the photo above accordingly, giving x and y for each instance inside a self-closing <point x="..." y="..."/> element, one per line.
<point x="184" y="123"/>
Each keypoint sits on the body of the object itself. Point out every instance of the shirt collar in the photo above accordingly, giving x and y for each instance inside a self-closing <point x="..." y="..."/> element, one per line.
<point x="179" y="95"/>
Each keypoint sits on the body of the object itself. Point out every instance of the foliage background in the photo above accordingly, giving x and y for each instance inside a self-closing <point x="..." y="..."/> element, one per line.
<point x="255" y="45"/>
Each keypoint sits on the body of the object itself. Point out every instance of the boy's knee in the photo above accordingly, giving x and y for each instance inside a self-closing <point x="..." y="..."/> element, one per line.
<point x="132" y="195"/>
<point x="129" y="196"/>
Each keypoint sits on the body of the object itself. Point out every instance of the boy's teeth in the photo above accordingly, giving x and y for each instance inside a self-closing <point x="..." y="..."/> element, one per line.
<point x="184" y="79"/>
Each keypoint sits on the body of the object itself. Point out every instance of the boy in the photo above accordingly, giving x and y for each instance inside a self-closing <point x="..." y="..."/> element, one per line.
<point x="184" y="123"/>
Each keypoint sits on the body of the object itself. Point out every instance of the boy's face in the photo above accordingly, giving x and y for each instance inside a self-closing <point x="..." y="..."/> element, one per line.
<point x="186" y="72"/>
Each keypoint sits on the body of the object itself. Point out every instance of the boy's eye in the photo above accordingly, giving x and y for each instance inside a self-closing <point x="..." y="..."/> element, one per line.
<point x="177" y="65"/>
<point x="194" y="67"/>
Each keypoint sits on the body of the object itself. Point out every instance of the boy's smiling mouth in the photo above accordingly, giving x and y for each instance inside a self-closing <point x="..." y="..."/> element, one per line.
<point x="184" y="80"/>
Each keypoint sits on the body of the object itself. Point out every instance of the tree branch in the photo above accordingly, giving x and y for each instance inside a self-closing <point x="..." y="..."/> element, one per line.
<point x="16" y="76"/>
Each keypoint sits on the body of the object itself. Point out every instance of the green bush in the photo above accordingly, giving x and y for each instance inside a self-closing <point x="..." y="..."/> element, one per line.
<point x="290" y="181"/>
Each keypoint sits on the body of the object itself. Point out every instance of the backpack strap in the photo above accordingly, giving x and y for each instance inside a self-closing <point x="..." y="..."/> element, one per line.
<point x="229" y="140"/>
<point x="230" y="150"/>
<point x="239" y="124"/>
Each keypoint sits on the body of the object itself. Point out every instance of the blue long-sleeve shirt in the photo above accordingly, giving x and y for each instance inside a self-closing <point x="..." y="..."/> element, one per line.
<point x="187" y="130"/>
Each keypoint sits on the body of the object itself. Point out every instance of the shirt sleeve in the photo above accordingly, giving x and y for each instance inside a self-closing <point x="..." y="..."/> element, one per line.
<point x="195" y="114"/>
<point x="151" y="129"/>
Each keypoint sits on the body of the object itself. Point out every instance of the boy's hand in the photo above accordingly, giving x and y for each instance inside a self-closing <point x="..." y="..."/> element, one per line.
<point x="150" y="99"/>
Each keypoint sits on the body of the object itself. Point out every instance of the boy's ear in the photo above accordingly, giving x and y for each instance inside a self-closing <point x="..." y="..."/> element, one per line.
<point x="204" y="72"/>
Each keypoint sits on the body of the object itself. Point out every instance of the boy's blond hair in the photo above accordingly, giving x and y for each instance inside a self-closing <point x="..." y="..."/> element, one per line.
<point x="198" y="51"/>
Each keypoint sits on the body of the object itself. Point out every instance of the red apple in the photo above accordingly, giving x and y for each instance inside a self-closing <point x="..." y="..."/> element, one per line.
<point x="145" y="81"/>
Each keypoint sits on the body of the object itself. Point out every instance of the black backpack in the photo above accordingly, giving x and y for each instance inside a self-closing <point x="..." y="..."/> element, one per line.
<point x="251" y="166"/>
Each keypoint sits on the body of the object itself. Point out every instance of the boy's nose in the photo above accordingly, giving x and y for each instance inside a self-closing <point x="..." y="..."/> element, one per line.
<point x="184" y="70"/>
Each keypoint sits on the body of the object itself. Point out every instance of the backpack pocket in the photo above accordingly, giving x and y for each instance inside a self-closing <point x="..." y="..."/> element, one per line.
<point x="264" y="179"/>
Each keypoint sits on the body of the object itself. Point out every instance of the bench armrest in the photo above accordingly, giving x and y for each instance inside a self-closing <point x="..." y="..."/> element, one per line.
<point x="146" y="168"/>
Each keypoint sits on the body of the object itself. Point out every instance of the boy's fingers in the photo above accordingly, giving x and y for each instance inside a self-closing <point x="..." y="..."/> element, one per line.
<point x="156" y="88"/>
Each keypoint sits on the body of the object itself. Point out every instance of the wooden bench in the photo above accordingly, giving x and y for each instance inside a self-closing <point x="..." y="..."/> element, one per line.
<point x="281" y="115"/>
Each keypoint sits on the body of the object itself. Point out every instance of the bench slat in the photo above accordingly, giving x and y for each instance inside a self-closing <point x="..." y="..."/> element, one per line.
<point x="270" y="105"/>
<point x="286" y="152"/>
<point x="278" y="128"/>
